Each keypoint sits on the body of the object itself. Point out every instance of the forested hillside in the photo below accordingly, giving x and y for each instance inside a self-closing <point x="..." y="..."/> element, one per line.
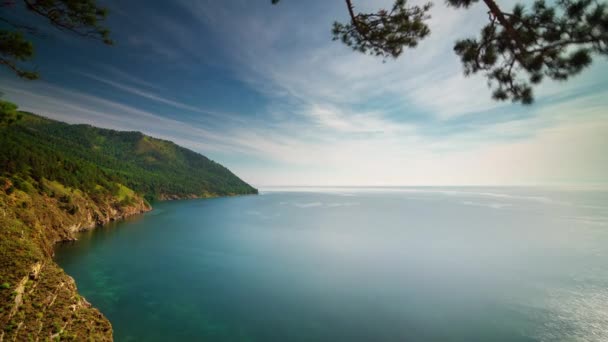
<point x="57" y="179"/>
<point x="95" y="160"/>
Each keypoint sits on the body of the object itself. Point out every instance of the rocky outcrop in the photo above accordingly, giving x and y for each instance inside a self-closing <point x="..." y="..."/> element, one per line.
<point x="175" y="197"/>
<point x="38" y="300"/>
<point x="99" y="215"/>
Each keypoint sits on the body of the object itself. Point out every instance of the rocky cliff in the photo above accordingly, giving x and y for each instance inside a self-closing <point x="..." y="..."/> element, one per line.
<point x="39" y="301"/>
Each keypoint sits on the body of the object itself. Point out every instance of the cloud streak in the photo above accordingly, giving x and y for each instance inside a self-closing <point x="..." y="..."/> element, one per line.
<point x="313" y="112"/>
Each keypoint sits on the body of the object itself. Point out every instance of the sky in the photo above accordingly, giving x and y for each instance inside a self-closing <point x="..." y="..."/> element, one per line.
<point x="264" y="91"/>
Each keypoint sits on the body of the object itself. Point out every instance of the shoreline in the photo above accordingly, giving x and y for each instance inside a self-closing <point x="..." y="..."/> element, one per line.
<point x="40" y="300"/>
<point x="85" y="228"/>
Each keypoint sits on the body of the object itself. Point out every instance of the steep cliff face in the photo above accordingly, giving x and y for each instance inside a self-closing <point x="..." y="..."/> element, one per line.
<point x="39" y="301"/>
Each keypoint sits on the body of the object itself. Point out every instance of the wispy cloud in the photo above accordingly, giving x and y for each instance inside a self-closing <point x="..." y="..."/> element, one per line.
<point x="130" y="78"/>
<point x="143" y="93"/>
<point x="334" y="119"/>
<point x="76" y="107"/>
<point x="328" y="115"/>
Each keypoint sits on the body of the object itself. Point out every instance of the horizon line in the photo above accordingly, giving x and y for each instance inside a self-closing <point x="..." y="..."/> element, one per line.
<point x="579" y="185"/>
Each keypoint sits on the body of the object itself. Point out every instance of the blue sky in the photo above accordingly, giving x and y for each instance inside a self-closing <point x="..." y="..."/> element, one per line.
<point x="263" y="90"/>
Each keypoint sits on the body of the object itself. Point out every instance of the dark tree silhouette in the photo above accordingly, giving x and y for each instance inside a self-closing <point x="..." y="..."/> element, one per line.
<point x="81" y="17"/>
<point x="515" y="50"/>
<point x="384" y="33"/>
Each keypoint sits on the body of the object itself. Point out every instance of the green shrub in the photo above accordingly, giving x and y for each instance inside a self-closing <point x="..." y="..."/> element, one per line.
<point x="65" y="199"/>
<point x="22" y="184"/>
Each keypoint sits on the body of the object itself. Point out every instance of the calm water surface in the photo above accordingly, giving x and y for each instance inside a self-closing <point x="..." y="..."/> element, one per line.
<point x="408" y="264"/>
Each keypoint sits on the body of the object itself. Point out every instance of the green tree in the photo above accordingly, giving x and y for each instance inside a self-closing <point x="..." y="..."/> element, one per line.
<point x="515" y="50"/>
<point x="8" y="113"/>
<point x="81" y="17"/>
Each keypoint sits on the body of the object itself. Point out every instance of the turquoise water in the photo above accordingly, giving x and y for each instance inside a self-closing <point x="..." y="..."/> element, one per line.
<point x="391" y="264"/>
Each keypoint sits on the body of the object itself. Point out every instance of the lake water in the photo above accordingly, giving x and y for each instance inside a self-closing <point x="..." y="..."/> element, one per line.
<point x="389" y="264"/>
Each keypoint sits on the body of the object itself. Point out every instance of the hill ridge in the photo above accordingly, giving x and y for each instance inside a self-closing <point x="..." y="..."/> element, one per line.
<point x="155" y="168"/>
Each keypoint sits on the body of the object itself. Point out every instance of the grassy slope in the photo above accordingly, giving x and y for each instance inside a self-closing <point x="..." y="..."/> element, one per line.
<point x="56" y="179"/>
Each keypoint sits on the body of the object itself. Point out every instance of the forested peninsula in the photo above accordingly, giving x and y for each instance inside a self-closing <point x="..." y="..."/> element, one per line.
<point x="57" y="179"/>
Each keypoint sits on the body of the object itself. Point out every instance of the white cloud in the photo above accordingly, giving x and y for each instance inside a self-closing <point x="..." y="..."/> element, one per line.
<point x="336" y="117"/>
<point x="332" y="118"/>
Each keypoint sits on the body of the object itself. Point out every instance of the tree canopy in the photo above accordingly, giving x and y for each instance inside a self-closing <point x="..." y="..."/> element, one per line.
<point x="93" y="160"/>
<point x="81" y="17"/>
<point x="515" y="51"/>
<point x="8" y="113"/>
